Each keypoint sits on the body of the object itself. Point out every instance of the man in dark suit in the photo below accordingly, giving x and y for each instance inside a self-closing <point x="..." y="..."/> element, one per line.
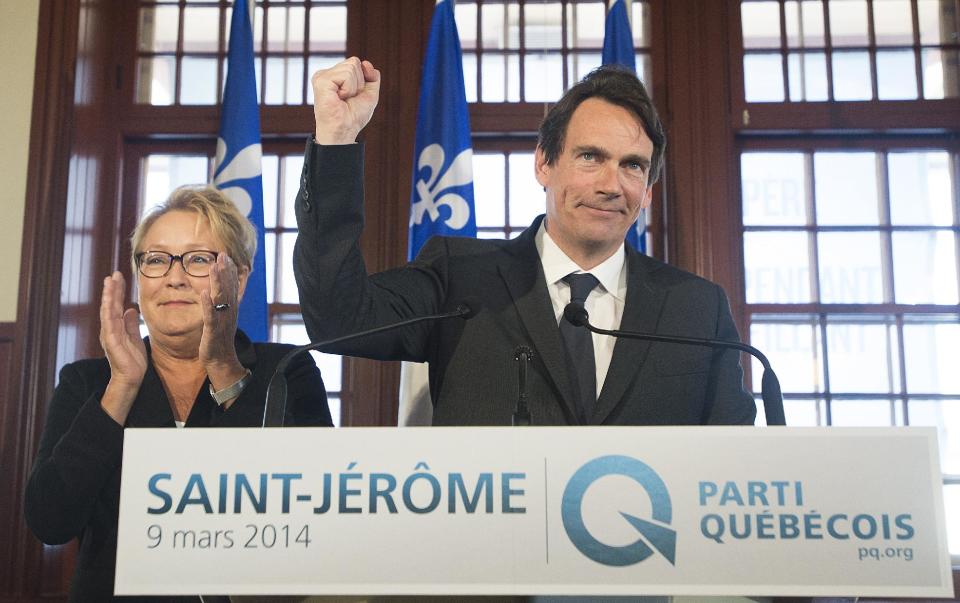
<point x="599" y="152"/>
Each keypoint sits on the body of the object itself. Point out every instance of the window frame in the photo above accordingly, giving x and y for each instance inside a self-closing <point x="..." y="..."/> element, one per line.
<point x="932" y="115"/>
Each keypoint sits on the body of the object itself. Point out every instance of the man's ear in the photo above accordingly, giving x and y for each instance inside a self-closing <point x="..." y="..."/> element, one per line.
<point x="541" y="168"/>
<point x="647" y="198"/>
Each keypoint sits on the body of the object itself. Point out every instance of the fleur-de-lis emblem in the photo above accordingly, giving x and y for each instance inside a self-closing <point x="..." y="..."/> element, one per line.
<point x="244" y="165"/>
<point x="431" y="193"/>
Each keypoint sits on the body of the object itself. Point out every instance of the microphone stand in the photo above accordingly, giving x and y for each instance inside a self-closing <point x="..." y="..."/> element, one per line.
<point x="576" y="314"/>
<point x="523" y="356"/>
<point x="275" y="406"/>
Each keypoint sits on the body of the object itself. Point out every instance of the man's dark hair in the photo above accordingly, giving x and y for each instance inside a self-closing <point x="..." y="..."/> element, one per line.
<point x="618" y="86"/>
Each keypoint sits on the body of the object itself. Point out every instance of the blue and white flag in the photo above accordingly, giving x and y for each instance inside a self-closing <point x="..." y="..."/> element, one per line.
<point x="618" y="50"/>
<point x="442" y="196"/>
<point x="238" y="171"/>
<point x="618" y="38"/>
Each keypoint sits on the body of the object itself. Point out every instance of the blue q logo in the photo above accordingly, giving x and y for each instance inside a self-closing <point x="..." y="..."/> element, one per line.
<point x="661" y="538"/>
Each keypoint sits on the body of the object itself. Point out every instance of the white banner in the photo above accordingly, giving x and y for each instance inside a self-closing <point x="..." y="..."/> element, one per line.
<point x="608" y="510"/>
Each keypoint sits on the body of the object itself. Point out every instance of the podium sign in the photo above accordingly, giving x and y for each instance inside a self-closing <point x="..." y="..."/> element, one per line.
<point x="607" y="511"/>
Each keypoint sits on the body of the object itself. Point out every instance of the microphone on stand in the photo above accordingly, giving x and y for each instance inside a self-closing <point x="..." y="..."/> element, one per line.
<point x="576" y="314"/>
<point x="523" y="355"/>
<point x="276" y="403"/>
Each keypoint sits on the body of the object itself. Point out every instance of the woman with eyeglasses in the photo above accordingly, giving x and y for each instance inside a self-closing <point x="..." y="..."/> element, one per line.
<point x="192" y="256"/>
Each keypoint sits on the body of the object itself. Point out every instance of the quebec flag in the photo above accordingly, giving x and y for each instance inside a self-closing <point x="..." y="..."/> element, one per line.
<point x="442" y="195"/>
<point x="237" y="170"/>
<point x="618" y="50"/>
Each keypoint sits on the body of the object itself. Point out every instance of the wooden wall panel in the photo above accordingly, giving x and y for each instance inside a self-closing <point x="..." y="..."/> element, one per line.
<point x="32" y="360"/>
<point x="700" y="142"/>
<point x="702" y="206"/>
<point x="68" y="223"/>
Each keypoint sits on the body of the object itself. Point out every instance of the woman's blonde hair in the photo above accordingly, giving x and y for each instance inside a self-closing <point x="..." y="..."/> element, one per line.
<point x="227" y="224"/>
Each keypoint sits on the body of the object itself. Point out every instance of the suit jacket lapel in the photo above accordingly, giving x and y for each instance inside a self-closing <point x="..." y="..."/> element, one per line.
<point x="523" y="275"/>
<point x="641" y="313"/>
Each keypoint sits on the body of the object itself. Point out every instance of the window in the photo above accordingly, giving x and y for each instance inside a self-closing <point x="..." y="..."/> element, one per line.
<point x="850" y="50"/>
<point x="533" y="51"/>
<point x="499" y="178"/>
<point x="851" y="264"/>
<point x="182" y="46"/>
<point x="851" y="233"/>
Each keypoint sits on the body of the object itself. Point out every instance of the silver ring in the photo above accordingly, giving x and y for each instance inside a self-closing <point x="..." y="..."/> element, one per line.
<point x="221" y="307"/>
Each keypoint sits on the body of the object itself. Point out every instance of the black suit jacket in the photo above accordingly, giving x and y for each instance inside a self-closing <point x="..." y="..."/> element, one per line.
<point x="74" y="487"/>
<point x="473" y="374"/>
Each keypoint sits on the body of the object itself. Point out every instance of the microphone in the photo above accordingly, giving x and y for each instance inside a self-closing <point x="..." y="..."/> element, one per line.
<point x="576" y="314"/>
<point x="276" y="403"/>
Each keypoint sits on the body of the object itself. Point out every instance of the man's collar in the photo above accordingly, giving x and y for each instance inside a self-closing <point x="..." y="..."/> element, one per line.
<point x="557" y="264"/>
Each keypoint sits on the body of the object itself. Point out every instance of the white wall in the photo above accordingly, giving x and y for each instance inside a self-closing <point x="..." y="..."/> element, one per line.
<point x="18" y="44"/>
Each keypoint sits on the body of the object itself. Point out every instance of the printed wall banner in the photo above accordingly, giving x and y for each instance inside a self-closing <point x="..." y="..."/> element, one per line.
<point x="561" y="511"/>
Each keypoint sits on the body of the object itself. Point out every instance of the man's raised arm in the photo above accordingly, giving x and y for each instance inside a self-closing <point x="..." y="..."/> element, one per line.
<point x="336" y="294"/>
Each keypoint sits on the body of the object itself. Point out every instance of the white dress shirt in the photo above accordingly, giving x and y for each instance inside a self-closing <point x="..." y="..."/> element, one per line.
<point x="605" y="302"/>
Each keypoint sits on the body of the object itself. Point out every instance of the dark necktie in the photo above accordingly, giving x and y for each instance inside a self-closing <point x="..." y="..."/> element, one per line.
<point x="579" y="347"/>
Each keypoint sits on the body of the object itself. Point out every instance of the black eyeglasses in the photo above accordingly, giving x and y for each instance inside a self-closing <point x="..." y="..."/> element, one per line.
<point x="156" y="264"/>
